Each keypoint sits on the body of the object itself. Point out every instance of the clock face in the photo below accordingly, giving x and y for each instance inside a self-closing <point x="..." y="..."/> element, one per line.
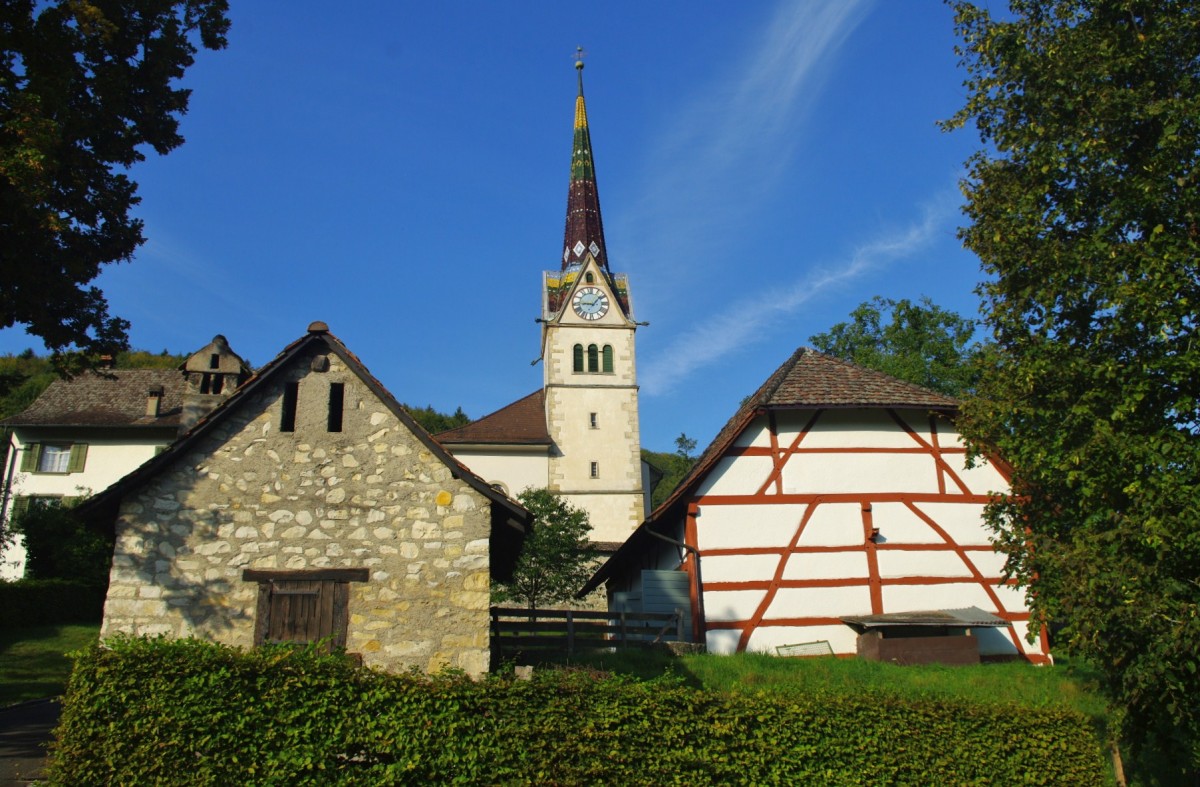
<point x="590" y="303"/>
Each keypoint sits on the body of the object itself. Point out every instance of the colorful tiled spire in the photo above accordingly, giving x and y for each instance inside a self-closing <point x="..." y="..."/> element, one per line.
<point x="585" y="230"/>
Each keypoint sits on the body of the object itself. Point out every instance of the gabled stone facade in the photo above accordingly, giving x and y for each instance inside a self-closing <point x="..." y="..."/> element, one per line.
<point x="282" y="480"/>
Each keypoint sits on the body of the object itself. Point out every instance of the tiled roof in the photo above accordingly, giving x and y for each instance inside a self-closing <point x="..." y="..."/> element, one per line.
<point x="521" y="423"/>
<point x="116" y="397"/>
<point x="808" y="379"/>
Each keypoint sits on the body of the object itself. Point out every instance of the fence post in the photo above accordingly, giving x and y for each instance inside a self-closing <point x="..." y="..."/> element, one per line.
<point x="570" y="634"/>
<point x="678" y="624"/>
<point x="624" y="639"/>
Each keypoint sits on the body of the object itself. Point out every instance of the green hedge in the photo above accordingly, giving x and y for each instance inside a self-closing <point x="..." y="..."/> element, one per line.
<point x="186" y="712"/>
<point x="44" y="602"/>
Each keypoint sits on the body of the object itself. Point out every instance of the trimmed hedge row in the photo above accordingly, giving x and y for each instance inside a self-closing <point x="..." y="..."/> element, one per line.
<point x="45" y="602"/>
<point x="186" y="712"/>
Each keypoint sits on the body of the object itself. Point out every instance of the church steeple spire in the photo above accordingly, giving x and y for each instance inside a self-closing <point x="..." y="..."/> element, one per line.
<point x="584" y="231"/>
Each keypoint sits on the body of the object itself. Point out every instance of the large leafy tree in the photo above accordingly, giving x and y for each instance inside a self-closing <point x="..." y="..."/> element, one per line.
<point x="557" y="557"/>
<point x="1084" y="208"/>
<point x="920" y="342"/>
<point x="85" y="87"/>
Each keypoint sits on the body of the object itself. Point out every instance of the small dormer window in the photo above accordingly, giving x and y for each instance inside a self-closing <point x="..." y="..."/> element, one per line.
<point x="589" y="278"/>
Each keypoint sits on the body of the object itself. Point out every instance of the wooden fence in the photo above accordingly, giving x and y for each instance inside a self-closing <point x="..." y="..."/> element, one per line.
<point x="566" y="632"/>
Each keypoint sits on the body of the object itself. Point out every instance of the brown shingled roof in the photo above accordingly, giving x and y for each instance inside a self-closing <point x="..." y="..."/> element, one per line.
<point x="115" y="397"/>
<point x="521" y="423"/>
<point x="808" y="379"/>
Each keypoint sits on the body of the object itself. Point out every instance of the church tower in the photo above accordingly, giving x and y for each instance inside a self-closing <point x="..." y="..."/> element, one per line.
<point x="590" y="388"/>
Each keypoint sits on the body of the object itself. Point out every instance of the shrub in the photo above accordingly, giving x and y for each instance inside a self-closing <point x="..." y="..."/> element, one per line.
<point x="186" y="712"/>
<point x="41" y="602"/>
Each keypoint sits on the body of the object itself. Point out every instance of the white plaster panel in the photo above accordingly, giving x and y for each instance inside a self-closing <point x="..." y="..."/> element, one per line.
<point x="851" y="473"/>
<point x="956" y="595"/>
<point x="963" y="522"/>
<point x="834" y="525"/>
<point x="921" y="564"/>
<point x="738" y="568"/>
<point x="982" y="479"/>
<point x="742" y="475"/>
<point x="755" y="434"/>
<point x="819" y="602"/>
<point x="1013" y="598"/>
<point x="990" y="564"/>
<point x="871" y="428"/>
<point x="731" y="527"/>
<point x="728" y="605"/>
<point x="899" y="525"/>
<point x="722" y="642"/>
<point x="765" y="639"/>
<point x="1022" y="630"/>
<point x="826" y="565"/>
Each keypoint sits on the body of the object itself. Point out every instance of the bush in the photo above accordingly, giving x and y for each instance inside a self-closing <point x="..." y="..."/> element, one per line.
<point x="44" y="602"/>
<point x="187" y="712"/>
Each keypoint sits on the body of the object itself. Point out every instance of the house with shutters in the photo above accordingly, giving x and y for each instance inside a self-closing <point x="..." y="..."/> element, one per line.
<point x="579" y="434"/>
<point x="308" y="506"/>
<point x="83" y="434"/>
<point x="835" y="512"/>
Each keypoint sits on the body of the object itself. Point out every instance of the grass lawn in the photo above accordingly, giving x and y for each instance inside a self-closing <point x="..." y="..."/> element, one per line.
<point x="33" y="661"/>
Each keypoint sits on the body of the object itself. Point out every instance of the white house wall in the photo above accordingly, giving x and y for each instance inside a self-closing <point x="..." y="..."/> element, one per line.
<point x="513" y="471"/>
<point x="813" y="516"/>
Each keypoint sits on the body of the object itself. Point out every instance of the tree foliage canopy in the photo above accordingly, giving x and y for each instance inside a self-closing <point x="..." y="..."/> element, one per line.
<point x="1083" y="207"/>
<point x="921" y="343"/>
<point x="85" y="87"/>
<point x="557" y="556"/>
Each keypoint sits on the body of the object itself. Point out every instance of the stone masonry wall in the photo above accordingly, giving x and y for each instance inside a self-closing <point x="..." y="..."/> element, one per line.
<point x="250" y="496"/>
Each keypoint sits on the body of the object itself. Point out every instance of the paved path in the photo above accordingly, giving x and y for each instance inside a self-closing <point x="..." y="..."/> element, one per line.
<point x="25" y="730"/>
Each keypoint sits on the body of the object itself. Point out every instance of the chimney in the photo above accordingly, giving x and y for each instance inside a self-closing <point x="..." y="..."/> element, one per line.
<point x="154" y="402"/>
<point x="106" y="362"/>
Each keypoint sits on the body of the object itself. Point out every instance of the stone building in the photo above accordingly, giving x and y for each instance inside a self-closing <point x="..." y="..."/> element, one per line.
<point x="579" y="435"/>
<point x="309" y="505"/>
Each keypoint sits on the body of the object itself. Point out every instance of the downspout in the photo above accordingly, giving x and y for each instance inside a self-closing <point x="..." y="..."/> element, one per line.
<point x="8" y="477"/>
<point x="695" y="553"/>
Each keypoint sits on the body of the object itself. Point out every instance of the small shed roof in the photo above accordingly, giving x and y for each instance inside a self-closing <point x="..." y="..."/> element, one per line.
<point x="966" y="617"/>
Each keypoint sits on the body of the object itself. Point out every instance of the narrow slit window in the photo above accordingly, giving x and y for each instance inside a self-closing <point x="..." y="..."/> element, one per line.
<point x="595" y="470"/>
<point x="337" y="398"/>
<point x="608" y="358"/>
<point x="205" y="382"/>
<point x="214" y="361"/>
<point x="287" y="423"/>
<point x="593" y="358"/>
<point x="578" y="357"/>
<point x="218" y="383"/>
<point x="593" y="421"/>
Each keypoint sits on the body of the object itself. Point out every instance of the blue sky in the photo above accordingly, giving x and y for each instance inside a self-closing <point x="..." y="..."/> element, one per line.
<point x="399" y="170"/>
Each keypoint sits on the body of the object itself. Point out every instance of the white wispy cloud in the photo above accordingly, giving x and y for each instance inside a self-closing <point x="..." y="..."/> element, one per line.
<point x="733" y="137"/>
<point x="751" y="318"/>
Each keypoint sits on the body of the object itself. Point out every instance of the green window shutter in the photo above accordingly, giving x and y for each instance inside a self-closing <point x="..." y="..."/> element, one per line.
<point x="29" y="457"/>
<point x="20" y="506"/>
<point x="78" y="457"/>
<point x="593" y="353"/>
<point x="608" y="358"/>
<point x="579" y="358"/>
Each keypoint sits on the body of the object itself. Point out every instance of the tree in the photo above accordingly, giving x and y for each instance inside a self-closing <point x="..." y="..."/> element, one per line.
<point x="684" y="445"/>
<point x="921" y="343"/>
<point x="85" y="87"/>
<point x="557" y="557"/>
<point x="674" y="468"/>
<point x="1084" y="208"/>
<point x="58" y="545"/>
<point x="435" y="421"/>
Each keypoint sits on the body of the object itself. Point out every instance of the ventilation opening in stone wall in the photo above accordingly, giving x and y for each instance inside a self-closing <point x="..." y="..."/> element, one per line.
<point x="337" y="396"/>
<point x="287" y="422"/>
<point x="214" y="361"/>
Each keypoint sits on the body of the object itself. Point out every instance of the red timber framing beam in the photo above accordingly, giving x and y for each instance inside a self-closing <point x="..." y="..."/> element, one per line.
<point x="951" y="489"/>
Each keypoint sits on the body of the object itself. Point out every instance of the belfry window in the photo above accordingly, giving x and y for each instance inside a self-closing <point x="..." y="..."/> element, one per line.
<point x="287" y="418"/>
<point x="593" y="358"/>
<point x="578" y="353"/>
<point x="608" y="358"/>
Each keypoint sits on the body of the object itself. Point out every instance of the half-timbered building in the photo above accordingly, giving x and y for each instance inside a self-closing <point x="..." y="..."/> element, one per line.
<point x="836" y="507"/>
